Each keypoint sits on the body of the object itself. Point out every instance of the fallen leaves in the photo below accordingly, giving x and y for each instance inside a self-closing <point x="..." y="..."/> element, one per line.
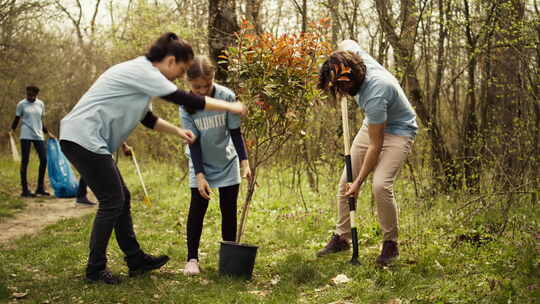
<point x="341" y="302"/>
<point x="275" y="280"/>
<point x="260" y="293"/>
<point x="19" y="295"/>
<point x="340" y="279"/>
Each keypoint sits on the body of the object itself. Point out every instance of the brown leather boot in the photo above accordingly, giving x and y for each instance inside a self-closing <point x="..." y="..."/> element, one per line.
<point x="389" y="253"/>
<point x="336" y="244"/>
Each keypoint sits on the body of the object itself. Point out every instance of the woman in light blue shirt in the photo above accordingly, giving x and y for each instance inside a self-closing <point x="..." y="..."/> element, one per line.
<point x="103" y="119"/>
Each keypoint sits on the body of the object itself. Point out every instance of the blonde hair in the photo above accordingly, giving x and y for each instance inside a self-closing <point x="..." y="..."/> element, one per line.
<point x="203" y="67"/>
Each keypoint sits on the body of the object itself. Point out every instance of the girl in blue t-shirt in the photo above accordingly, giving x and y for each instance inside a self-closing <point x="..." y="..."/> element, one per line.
<point x="216" y="157"/>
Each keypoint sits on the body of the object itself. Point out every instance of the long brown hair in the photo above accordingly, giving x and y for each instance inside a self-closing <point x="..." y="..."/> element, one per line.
<point x="342" y="67"/>
<point x="201" y="66"/>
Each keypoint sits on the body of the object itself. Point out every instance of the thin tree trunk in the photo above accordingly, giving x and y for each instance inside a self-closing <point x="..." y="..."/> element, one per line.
<point x="222" y="24"/>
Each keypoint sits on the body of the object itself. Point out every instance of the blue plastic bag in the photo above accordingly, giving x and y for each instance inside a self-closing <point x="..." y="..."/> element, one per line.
<point x="60" y="174"/>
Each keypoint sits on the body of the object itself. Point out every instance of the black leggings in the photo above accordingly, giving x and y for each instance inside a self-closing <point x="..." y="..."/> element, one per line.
<point x="99" y="171"/>
<point x="25" y="158"/>
<point x="197" y="209"/>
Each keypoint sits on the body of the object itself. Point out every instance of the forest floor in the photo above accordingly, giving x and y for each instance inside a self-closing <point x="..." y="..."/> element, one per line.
<point x="447" y="254"/>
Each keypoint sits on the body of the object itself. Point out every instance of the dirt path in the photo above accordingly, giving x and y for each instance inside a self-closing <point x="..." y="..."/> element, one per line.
<point x="38" y="214"/>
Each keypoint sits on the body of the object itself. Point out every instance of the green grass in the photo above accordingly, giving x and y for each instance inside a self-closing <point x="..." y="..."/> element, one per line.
<point x="10" y="186"/>
<point x="433" y="268"/>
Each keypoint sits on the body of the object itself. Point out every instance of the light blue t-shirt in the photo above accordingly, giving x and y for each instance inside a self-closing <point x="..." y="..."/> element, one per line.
<point x="382" y="98"/>
<point x="31" y="115"/>
<point x="109" y="111"/>
<point x="220" y="161"/>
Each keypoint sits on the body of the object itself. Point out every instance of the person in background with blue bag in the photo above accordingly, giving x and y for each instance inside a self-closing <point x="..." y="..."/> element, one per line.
<point x="30" y="112"/>
<point x="103" y="119"/>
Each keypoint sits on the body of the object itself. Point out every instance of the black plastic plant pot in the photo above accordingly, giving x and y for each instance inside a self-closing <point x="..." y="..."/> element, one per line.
<point x="237" y="260"/>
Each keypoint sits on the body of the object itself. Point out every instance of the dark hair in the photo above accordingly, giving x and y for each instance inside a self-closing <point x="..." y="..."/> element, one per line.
<point x="32" y="90"/>
<point x="332" y="70"/>
<point x="170" y="44"/>
<point x="203" y="67"/>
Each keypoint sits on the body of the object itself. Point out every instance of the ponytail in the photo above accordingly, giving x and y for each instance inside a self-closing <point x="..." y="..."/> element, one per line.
<point x="170" y="44"/>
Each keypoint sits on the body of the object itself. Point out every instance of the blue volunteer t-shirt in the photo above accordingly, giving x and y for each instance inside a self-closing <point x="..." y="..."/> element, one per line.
<point x="382" y="98"/>
<point x="31" y="115"/>
<point x="109" y="111"/>
<point x="220" y="161"/>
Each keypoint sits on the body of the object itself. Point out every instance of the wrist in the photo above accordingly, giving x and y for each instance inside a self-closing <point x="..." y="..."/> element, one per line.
<point x="181" y="132"/>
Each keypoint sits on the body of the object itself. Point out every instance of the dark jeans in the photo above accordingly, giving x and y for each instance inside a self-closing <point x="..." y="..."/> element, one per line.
<point x="25" y="158"/>
<point x="197" y="209"/>
<point x="99" y="171"/>
<point x="81" y="192"/>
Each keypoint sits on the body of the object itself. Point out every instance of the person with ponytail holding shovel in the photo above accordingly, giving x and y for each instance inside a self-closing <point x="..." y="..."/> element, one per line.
<point x="102" y="120"/>
<point x="215" y="159"/>
<point x="381" y="146"/>
<point x="30" y="112"/>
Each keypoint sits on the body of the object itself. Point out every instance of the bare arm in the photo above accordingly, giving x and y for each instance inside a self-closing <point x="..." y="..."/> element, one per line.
<point x="15" y="123"/>
<point x="213" y="104"/>
<point x="376" y="139"/>
<point x="164" y="126"/>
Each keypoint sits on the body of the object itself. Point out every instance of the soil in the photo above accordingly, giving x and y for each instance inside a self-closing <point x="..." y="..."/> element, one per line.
<point x="39" y="213"/>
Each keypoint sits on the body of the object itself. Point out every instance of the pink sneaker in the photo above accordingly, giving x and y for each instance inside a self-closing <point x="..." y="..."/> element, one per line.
<point x="192" y="268"/>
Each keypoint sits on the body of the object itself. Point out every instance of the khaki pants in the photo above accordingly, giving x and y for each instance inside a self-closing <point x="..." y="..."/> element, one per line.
<point x="393" y="155"/>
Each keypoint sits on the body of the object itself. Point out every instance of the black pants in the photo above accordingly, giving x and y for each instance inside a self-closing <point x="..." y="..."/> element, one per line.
<point x="197" y="209"/>
<point x="81" y="192"/>
<point x="99" y="171"/>
<point x="42" y="153"/>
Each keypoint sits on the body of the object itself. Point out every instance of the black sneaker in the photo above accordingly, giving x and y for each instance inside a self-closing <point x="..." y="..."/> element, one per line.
<point x="84" y="201"/>
<point x="104" y="276"/>
<point x="27" y="194"/>
<point x="336" y="244"/>
<point x="146" y="263"/>
<point x="42" y="192"/>
<point x="389" y="253"/>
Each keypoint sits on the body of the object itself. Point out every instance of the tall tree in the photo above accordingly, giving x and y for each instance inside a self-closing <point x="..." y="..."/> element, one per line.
<point x="403" y="44"/>
<point x="302" y="9"/>
<point x="222" y="24"/>
<point x="506" y="108"/>
<point x="253" y="14"/>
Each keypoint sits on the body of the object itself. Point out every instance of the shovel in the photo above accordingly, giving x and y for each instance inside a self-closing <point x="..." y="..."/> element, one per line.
<point x="348" y="166"/>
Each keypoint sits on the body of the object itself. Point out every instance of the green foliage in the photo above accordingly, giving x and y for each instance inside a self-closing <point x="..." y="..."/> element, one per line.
<point x="10" y="189"/>
<point x="132" y="38"/>
<point x="276" y="76"/>
<point x="145" y="23"/>
<point x="436" y="265"/>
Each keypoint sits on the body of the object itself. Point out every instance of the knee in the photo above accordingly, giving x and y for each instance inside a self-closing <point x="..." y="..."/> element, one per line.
<point x="112" y="206"/>
<point x="382" y="188"/>
<point x="127" y="196"/>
